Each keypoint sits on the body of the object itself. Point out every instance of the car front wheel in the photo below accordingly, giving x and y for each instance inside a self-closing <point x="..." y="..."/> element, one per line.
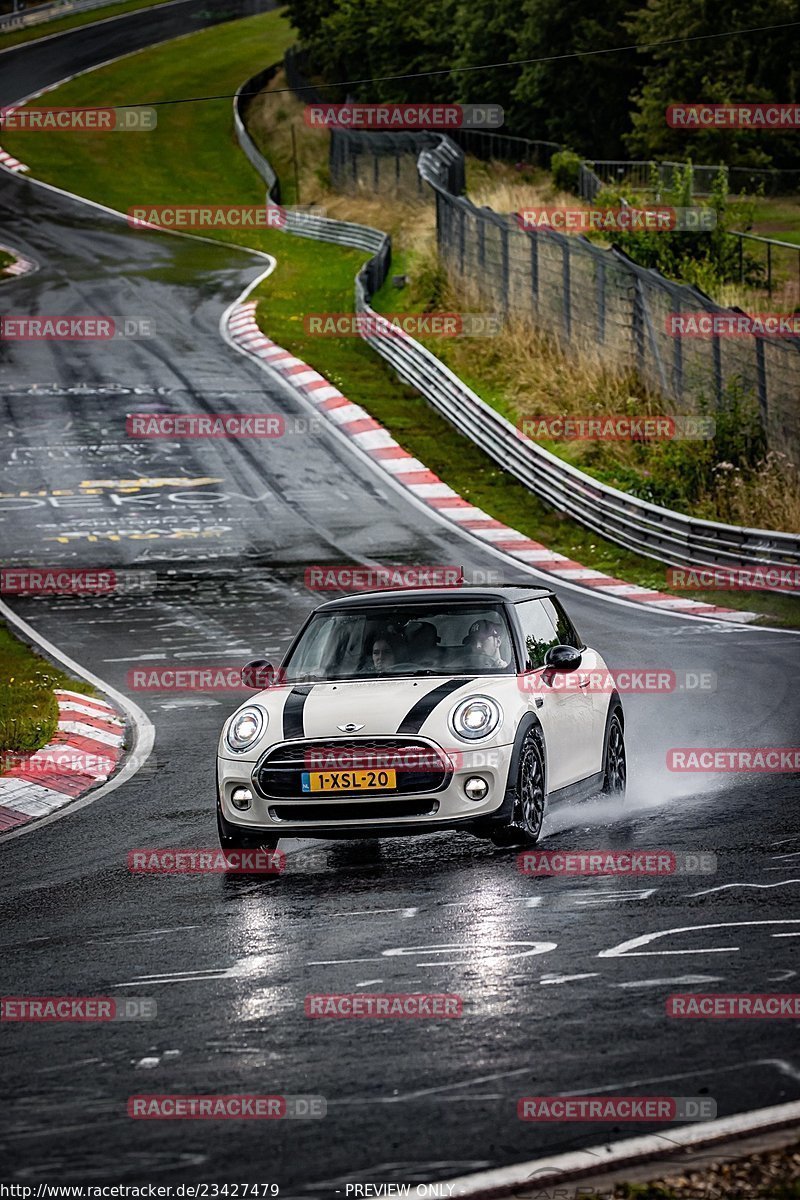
<point x="615" y="767"/>
<point x="528" y="812"/>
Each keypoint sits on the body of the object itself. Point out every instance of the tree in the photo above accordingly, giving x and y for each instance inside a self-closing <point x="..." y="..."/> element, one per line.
<point x="580" y="102"/>
<point x="750" y="67"/>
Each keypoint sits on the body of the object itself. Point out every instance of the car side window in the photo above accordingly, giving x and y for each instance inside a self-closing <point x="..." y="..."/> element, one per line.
<point x="567" y="633"/>
<point x="538" y="632"/>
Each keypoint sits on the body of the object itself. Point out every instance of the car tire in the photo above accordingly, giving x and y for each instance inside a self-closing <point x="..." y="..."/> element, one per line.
<point x="230" y="841"/>
<point x="527" y="813"/>
<point x="615" y="766"/>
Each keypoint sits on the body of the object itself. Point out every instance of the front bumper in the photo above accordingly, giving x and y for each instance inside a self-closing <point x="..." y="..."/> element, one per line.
<point x="374" y="814"/>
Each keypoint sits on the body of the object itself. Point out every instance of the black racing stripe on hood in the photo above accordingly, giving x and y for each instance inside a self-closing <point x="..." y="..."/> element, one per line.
<point x="293" y="711"/>
<point x="417" y="716"/>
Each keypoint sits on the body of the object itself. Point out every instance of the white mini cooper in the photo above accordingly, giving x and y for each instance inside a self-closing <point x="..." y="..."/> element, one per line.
<point x="411" y="711"/>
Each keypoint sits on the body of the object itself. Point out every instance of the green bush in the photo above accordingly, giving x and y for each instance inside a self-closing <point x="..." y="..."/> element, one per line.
<point x="705" y="259"/>
<point x="566" y="168"/>
<point x="681" y="474"/>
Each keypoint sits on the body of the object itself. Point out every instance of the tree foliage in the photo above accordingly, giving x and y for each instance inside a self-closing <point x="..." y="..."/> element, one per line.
<point x="604" y="105"/>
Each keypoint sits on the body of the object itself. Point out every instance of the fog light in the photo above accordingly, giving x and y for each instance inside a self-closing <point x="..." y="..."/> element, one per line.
<point x="241" y="797"/>
<point x="476" y="788"/>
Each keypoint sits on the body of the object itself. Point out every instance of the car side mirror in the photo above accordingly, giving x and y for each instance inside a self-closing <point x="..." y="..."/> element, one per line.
<point x="258" y="674"/>
<point x="563" y="658"/>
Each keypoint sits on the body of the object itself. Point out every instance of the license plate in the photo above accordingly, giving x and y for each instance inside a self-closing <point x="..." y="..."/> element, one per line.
<point x="349" y="781"/>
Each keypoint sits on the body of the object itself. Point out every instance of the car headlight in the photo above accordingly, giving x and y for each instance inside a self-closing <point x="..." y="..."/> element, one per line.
<point x="246" y="728"/>
<point x="475" y="717"/>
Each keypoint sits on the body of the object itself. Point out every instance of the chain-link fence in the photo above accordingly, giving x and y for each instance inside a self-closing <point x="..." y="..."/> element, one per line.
<point x="587" y="296"/>
<point x="649" y="176"/>
<point x="387" y="162"/>
<point x="376" y="162"/>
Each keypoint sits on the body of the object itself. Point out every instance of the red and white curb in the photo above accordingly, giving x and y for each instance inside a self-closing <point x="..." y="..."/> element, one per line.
<point x="10" y="163"/>
<point x="85" y="750"/>
<point x="367" y="433"/>
<point x="20" y="265"/>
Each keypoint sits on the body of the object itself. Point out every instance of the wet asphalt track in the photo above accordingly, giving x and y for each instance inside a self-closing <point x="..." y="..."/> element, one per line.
<point x="230" y="960"/>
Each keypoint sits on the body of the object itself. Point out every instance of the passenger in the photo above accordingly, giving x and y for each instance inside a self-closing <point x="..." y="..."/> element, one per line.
<point x="423" y="647"/>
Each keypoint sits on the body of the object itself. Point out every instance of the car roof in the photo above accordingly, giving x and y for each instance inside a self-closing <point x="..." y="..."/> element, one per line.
<point x="512" y="592"/>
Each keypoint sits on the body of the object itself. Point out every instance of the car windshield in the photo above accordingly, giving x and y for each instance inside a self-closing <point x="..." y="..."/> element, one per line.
<point x="403" y="640"/>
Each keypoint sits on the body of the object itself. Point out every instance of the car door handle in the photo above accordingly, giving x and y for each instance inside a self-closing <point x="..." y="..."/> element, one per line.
<point x="583" y="681"/>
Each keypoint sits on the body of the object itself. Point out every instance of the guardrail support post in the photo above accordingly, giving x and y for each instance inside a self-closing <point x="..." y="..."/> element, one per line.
<point x="600" y="279"/>
<point x="761" y="380"/>
<point x="677" y="367"/>
<point x="505" y="267"/>
<point x="716" y="351"/>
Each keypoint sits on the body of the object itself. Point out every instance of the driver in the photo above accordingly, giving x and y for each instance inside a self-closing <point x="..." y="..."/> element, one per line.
<point x="385" y="653"/>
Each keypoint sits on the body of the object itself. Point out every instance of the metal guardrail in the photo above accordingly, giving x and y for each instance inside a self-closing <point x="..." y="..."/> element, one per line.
<point x="249" y="88"/>
<point x="648" y="529"/>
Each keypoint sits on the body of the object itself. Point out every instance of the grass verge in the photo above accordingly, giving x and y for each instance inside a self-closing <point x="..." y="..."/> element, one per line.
<point x="5" y="260"/>
<point x="28" y="707"/>
<point x="310" y="276"/>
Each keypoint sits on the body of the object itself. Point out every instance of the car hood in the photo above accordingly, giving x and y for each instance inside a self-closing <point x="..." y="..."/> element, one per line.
<point x="381" y="707"/>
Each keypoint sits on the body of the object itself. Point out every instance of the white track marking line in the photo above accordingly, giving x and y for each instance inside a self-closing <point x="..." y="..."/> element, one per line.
<point x="724" y="887"/>
<point x="628" y="949"/>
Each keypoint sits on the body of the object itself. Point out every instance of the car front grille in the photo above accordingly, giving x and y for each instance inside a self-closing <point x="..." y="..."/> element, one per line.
<point x="331" y="814"/>
<point x="419" y="766"/>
